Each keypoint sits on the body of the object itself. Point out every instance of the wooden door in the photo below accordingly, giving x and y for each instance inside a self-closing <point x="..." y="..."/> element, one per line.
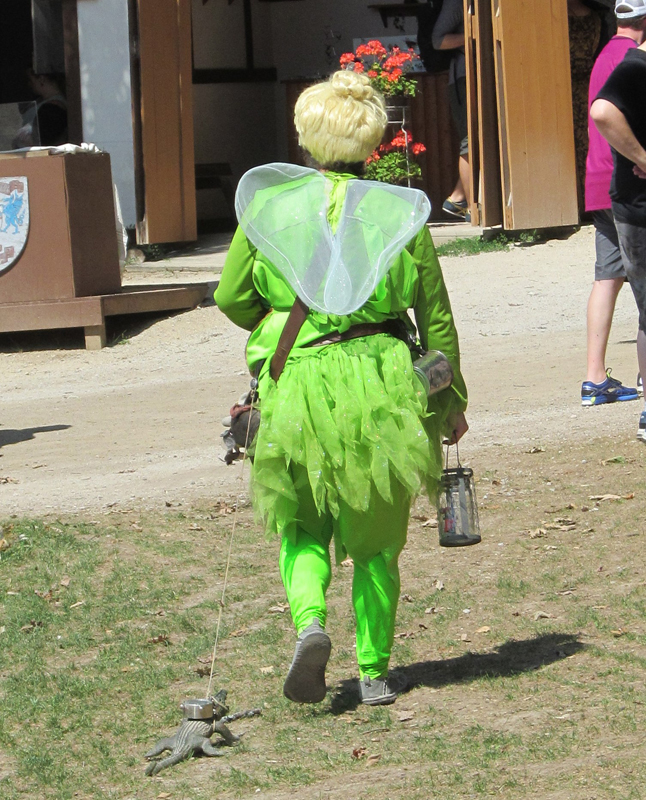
<point x="164" y="119"/>
<point x="484" y="153"/>
<point x="534" y="95"/>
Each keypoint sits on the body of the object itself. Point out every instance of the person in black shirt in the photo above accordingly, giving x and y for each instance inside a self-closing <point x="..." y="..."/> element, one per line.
<point x="619" y="112"/>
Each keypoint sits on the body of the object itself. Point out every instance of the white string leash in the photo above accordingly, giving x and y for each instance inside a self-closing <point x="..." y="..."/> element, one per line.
<point x="233" y="530"/>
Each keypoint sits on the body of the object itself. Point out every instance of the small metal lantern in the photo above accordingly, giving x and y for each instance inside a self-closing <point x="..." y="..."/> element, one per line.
<point x="457" y="508"/>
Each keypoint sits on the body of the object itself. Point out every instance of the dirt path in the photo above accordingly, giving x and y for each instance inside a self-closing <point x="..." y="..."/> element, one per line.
<point x="138" y="424"/>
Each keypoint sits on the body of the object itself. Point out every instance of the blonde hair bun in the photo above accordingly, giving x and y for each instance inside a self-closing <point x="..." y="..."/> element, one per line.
<point x="341" y="120"/>
<point x="347" y="83"/>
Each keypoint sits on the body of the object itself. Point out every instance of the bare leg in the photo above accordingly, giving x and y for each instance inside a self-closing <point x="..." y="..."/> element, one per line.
<point x="601" y="307"/>
<point x="458" y="195"/>
<point x="641" y="352"/>
<point x="465" y="177"/>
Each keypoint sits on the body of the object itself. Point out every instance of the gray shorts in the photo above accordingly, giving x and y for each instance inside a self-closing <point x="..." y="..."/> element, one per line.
<point x="632" y="241"/>
<point x="609" y="263"/>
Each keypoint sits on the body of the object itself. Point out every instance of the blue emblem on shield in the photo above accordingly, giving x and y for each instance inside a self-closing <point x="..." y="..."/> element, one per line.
<point x="14" y="220"/>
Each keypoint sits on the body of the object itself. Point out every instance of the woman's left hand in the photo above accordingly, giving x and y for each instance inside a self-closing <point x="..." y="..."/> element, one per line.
<point x="460" y="427"/>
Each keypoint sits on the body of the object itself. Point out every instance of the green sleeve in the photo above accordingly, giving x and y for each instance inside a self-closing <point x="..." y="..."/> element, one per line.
<point x="435" y="324"/>
<point x="236" y="295"/>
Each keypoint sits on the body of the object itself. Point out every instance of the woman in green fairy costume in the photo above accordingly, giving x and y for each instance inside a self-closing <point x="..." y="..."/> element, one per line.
<point x="347" y="435"/>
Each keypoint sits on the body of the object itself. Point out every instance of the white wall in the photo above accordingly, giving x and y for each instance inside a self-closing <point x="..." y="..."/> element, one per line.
<point x="218" y="34"/>
<point x="309" y="36"/>
<point x="106" y="92"/>
<point x="245" y="124"/>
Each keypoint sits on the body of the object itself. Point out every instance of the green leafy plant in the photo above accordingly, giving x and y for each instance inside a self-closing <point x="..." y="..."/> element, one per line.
<point x="394" y="161"/>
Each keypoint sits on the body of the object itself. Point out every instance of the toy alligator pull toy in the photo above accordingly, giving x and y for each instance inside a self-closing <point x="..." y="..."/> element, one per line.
<point x="202" y="718"/>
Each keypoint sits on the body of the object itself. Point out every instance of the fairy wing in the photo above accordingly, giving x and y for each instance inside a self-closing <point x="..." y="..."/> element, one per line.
<point x="282" y="209"/>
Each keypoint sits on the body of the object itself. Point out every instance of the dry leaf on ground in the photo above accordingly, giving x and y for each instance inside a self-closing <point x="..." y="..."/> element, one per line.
<point x="483" y="629"/>
<point x="33" y="624"/>
<point x="599" y="498"/>
<point x="280" y="608"/>
<point x="535" y="450"/>
<point x="358" y="752"/>
<point x="47" y="596"/>
<point x="163" y="638"/>
<point x="543" y="615"/>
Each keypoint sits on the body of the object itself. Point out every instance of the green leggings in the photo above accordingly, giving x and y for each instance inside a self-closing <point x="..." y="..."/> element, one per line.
<point x="306" y="571"/>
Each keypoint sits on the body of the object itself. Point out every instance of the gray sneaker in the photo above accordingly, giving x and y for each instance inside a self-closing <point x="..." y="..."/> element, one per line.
<point x="376" y="691"/>
<point x="305" y="682"/>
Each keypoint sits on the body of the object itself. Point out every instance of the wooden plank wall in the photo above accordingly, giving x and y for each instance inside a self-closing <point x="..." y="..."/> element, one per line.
<point x="433" y="126"/>
<point x="167" y="138"/>
<point x="535" y="113"/>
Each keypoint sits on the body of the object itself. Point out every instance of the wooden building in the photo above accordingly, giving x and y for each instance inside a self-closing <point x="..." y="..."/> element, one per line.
<point x="188" y="94"/>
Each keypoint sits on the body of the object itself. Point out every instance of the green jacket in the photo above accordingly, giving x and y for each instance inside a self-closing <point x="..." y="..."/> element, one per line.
<point x="255" y="296"/>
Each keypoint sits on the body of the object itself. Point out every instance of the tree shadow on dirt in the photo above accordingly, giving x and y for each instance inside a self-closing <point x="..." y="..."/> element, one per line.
<point x="13" y="436"/>
<point x="511" y="658"/>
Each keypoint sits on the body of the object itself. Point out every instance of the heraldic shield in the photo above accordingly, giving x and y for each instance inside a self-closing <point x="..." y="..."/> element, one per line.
<point x="14" y="220"/>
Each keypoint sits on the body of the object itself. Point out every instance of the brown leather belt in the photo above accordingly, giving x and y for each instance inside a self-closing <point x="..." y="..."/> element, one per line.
<point x="295" y="320"/>
<point x="392" y="326"/>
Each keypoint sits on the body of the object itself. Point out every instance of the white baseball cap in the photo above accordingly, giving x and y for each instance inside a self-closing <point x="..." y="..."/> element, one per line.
<point x="630" y="9"/>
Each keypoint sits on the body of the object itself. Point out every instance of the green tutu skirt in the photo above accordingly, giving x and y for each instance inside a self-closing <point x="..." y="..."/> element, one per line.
<point x="351" y="417"/>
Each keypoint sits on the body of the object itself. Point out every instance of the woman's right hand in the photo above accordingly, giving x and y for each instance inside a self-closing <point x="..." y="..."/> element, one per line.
<point x="460" y="427"/>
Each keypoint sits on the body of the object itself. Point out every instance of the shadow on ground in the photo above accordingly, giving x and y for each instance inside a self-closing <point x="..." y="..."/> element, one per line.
<point x="10" y="436"/>
<point x="511" y="658"/>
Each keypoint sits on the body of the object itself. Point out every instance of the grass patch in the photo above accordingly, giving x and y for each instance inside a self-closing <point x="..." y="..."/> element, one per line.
<point x="524" y="657"/>
<point x="474" y="245"/>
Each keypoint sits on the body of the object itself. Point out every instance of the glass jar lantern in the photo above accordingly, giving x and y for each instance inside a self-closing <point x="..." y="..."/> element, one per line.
<point x="457" y="508"/>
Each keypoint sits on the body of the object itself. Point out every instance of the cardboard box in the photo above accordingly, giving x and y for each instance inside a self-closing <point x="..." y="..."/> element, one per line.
<point x="71" y="247"/>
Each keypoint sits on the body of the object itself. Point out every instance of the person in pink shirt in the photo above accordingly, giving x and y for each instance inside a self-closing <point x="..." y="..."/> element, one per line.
<point x="599" y="387"/>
